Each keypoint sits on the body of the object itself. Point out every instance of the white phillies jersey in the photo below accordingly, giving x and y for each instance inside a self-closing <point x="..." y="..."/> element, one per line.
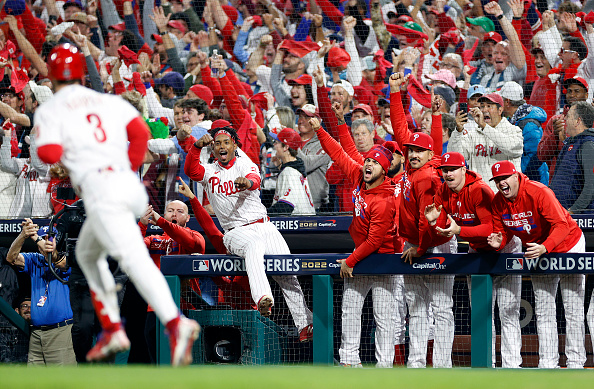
<point x="292" y="188"/>
<point x="233" y="208"/>
<point x="90" y="127"/>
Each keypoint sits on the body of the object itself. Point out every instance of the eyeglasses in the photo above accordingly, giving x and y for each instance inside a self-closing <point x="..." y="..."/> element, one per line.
<point x="566" y="51"/>
<point x="23" y="306"/>
<point x="448" y="65"/>
<point x="8" y="95"/>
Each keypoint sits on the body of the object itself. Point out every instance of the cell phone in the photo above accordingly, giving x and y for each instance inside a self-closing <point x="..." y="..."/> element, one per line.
<point x="463" y="107"/>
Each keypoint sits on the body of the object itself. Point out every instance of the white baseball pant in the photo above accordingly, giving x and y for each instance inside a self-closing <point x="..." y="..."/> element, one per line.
<point x="572" y="292"/>
<point x="113" y="200"/>
<point x="423" y="292"/>
<point x="254" y="241"/>
<point x="507" y="291"/>
<point x="399" y="310"/>
<point x="355" y="290"/>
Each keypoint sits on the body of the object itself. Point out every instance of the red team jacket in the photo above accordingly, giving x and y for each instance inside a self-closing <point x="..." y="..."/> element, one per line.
<point x="372" y="228"/>
<point x="536" y="216"/>
<point x="470" y="208"/>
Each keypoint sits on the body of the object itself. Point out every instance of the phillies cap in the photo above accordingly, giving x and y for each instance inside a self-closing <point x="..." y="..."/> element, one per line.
<point x="177" y="25"/>
<point x="493" y="98"/>
<point x="393" y="147"/>
<point x="220" y="123"/>
<point x="452" y="159"/>
<point x="382" y="155"/>
<point x="157" y="38"/>
<point x="304" y="79"/>
<point x="288" y="136"/>
<point x="363" y="107"/>
<point x="309" y="110"/>
<point x="503" y="168"/>
<point x="476" y="90"/>
<point x="445" y="76"/>
<point x="347" y="86"/>
<point x="492" y="36"/>
<point x="512" y="91"/>
<point x="420" y="139"/>
<point x="576" y="80"/>
<point x="118" y="27"/>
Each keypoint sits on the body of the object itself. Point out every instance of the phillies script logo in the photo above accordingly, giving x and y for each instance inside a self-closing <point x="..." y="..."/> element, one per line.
<point x="227" y="187"/>
<point x="432" y="263"/>
<point x="485" y="151"/>
<point x="446" y="157"/>
<point x="415" y="137"/>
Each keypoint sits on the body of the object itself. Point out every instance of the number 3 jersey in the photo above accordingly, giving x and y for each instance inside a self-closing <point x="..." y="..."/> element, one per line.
<point x="90" y="127"/>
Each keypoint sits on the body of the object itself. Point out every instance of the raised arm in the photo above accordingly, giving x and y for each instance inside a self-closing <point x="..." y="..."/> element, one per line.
<point x="516" y="52"/>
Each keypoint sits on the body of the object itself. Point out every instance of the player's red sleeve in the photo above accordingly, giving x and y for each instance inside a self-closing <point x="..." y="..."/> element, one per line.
<point x="143" y="228"/>
<point x="138" y="135"/>
<point x="498" y="225"/>
<point x="398" y="119"/>
<point x="554" y="213"/>
<point x="425" y="189"/>
<point x="192" y="167"/>
<point x="255" y="179"/>
<point x="382" y="220"/>
<point x="483" y="198"/>
<point x="50" y="154"/>
<point x="348" y="144"/>
<point x="210" y="229"/>
<point x="326" y="113"/>
<point x="437" y="135"/>
<point x="189" y="241"/>
<point x="348" y="166"/>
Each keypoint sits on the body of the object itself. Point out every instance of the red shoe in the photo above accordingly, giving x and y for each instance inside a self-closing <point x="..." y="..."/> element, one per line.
<point x="306" y="334"/>
<point x="181" y="339"/>
<point x="265" y="305"/>
<point x="108" y="345"/>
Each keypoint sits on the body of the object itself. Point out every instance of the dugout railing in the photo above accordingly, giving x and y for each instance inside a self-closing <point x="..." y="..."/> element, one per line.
<point x="323" y="267"/>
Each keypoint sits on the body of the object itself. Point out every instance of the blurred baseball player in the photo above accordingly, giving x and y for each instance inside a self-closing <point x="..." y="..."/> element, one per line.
<point x="372" y="230"/>
<point x="232" y="185"/>
<point x="530" y="211"/>
<point x="466" y="199"/>
<point x="89" y="132"/>
<point x="419" y="183"/>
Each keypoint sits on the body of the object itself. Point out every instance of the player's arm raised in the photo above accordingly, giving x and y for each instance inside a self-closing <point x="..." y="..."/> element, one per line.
<point x="192" y="167"/>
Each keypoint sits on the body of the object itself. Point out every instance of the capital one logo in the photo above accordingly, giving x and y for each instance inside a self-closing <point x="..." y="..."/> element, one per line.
<point x="446" y="157"/>
<point x="415" y="137"/>
<point x="497" y="167"/>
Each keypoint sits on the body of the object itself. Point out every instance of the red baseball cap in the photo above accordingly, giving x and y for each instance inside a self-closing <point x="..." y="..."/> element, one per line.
<point x="220" y="123"/>
<point x="288" y="136"/>
<point x="203" y="92"/>
<point x="420" y="139"/>
<point x="404" y="19"/>
<point x="382" y="155"/>
<point x="492" y="36"/>
<point x="452" y="159"/>
<point x="363" y="107"/>
<point x="503" y="168"/>
<point x="304" y="79"/>
<point x="492" y="97"/>
<point x="393" y="147"/>
<point x="178" y="25"/>
<point x="338" y="57"/>
<point x="118" y="27"/>
<point x="576" y="80"/>
<point x="157" y="38"/>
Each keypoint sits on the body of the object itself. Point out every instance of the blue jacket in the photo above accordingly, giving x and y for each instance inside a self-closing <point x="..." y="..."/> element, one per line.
<point x="531" y="125"/>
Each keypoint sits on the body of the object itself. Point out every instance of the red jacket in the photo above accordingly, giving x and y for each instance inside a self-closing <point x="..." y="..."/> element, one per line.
<point x="470" y="208"/>
<point x="544" y="95"/>
<point x="536" y="216"/>
<point x="372" y="228"/>
<point x="550" y="146"/>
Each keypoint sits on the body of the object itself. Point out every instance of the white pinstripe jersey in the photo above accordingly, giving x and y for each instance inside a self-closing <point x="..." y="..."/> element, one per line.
<point x="233" y="208"/>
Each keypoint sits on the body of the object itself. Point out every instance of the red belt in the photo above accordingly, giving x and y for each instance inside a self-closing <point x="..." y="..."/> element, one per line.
<point x="263" y="220"/>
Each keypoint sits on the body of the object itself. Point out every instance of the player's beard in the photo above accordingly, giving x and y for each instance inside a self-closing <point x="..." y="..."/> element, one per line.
<point x="394" y="170"/>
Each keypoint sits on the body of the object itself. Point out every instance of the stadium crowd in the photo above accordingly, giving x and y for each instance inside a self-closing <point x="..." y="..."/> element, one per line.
<point x="312" y="92"/>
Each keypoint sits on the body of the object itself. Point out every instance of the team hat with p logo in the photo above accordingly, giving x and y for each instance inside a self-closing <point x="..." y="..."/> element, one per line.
<point x="288" y="136"/>
<point x="382" y="155"/>
<point x="503" y="168"/>
<point x="452" y="159"/>
<point x="420" y="139"/>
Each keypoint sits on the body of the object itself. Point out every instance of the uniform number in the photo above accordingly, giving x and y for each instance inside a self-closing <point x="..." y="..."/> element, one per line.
<point x="99" y="132"/>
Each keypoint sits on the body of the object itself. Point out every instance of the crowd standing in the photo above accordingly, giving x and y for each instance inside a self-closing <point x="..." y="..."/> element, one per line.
<point x="429" y="121"/>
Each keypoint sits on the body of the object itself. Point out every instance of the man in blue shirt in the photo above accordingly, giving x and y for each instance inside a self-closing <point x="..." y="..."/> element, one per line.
<point x="51" y="316"/>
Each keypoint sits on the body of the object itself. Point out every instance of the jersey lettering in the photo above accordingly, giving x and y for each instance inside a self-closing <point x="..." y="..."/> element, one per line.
<point x="228" y="187"/>
<point x="99" y="132"/>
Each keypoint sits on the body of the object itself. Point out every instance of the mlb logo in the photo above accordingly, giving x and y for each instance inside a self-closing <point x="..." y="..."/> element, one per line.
<point x="201" y="265"/>
<point x="514" y="263"/>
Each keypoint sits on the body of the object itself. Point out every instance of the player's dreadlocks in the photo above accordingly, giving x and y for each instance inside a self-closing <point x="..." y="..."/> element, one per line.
<point x="230" y="130"/>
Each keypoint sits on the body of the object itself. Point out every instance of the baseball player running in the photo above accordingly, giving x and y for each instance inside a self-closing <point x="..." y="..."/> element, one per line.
<point x="530" y="211"/>
<point x="89" y="132"/>
<point x="232" y="185"/>
<point x="466" y="199"/>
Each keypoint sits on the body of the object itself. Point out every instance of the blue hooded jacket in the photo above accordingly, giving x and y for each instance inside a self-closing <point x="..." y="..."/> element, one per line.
<point x="530" y="119"/>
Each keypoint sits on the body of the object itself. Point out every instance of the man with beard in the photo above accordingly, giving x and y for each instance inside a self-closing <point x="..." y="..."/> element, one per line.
<point x="530" y="211"/>
<point x="509" y="60"/>
<point x="466" y="200"/>
<point x="372" y="231"/>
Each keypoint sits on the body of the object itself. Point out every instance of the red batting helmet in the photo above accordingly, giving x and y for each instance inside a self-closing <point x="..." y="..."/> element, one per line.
<point x="66" y="63"/>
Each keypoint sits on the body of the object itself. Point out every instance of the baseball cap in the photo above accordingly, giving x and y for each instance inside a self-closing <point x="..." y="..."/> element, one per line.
<point x="309" y="110"/>
<point x="338" y="57"/>
<point x="203" y="92"/>
<point x="492" y="36"/>
<point x="157" y="38"/>
<point x="503" y="168"/>
<point x="78" y="17"/>
<point x="172" y="79"/>
<point x="512" y="91"/>
<point x="452" y="159"/>
<point x="178" y="25"/>
<point x="43" y="231"/>
<point x="304" y="79"/>
<point x="476" y="90"/>
<point x="118" y="27"/>
<point x="368" y="63"/>
<point x="576" y="80"/>
<point x="382" y="102"/>
<point x="404" y="19"/>
<point x="348" y="87"/>
<point x="447" y="93"/>
<point x="420" y="139"/>
<point x="413" y="26"/>
<point x="363" y="107"/>
<point x="382" y="155"/>
<point x="482" y="21"/>
<point x="493" y="98"/>
<point x="288" y="136"/>
<point x="445" y="76"/>
<point x="15" y="7"/>
<point x="393" y="147"/>
<point x="41" y="93"/>
<point x="70" y="3"/>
